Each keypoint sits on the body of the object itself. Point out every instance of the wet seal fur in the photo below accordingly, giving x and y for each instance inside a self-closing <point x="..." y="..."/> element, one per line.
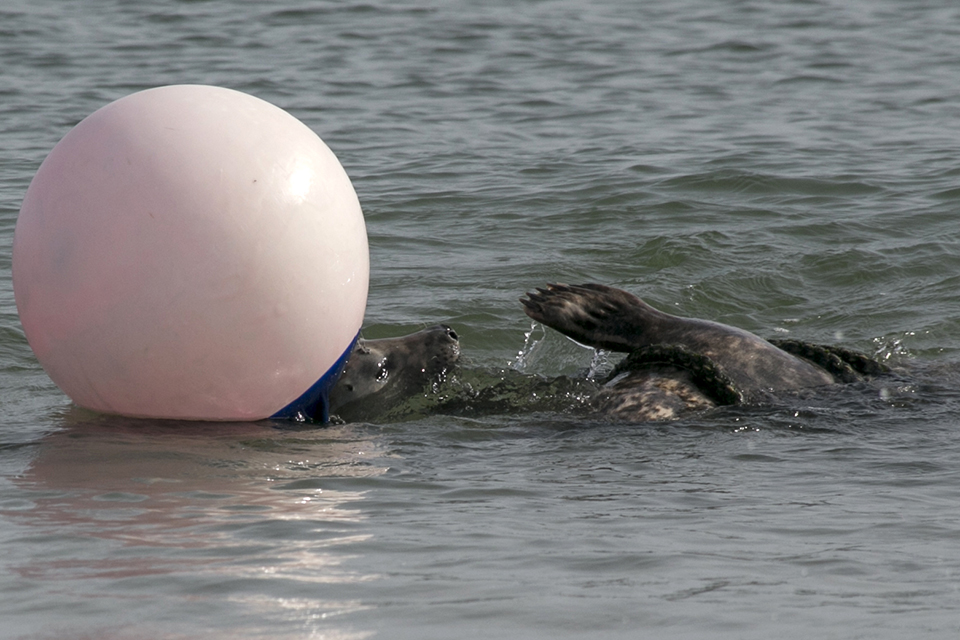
<point x="379" y="373"/>
<point x="674" y="365"/>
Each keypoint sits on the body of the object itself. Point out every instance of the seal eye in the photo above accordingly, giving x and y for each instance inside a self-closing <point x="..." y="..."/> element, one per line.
<point x="382" y="371"/>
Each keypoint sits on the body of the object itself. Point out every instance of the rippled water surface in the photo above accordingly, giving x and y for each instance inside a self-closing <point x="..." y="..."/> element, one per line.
<point x="792" y="168"/>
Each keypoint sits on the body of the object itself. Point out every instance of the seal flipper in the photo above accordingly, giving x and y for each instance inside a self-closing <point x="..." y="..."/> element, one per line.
<point x="593" y="314"/>
<point x="845" y="365"/>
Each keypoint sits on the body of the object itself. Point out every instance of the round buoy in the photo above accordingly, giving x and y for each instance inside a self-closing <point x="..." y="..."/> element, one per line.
<point x="191" y="252"/>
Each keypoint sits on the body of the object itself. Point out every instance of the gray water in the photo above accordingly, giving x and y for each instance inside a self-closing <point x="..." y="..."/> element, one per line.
<point x="792" y="168"/>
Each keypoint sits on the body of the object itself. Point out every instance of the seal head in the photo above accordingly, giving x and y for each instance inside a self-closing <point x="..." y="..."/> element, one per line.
<point x="382" y="374"/>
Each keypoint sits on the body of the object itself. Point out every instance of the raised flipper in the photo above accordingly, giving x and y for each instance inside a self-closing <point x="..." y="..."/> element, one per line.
<point x="592" y="314"/>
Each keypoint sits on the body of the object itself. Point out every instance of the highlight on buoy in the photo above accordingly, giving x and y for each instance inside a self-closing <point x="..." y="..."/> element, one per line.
<point x="192" y="252"/>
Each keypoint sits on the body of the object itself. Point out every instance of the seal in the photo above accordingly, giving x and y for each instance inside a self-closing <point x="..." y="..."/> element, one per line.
<point x="674" y="365"/>
<point x="607" y="318"/>
<point x="679" y="365"/>
<point x="380" y="374"/>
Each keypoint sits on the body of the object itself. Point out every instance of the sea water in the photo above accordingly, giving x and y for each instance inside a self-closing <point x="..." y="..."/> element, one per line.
<point x="792" y="168"/>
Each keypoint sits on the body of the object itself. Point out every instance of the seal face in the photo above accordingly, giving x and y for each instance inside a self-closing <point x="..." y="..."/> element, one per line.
<point x="380" y="374"/>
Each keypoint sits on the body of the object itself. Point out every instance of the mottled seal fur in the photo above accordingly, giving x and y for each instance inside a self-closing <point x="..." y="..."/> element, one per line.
<point x="607" y="318"/>
<point x="379" y="373"/>
<point x="677" y="365"/>
<point x="674" y="365"/>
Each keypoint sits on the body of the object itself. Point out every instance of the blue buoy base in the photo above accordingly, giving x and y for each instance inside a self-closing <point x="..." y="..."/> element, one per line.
<point x="314" y="404"/>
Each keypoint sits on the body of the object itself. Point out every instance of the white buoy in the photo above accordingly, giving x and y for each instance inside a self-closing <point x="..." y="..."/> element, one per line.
<point x="191" y="252"/>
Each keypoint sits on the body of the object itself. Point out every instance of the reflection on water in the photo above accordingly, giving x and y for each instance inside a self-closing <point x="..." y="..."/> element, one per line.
<point x="235" y="512"/>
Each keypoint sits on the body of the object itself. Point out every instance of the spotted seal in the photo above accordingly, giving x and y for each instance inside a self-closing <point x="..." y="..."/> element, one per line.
<point x="675" y="364"/>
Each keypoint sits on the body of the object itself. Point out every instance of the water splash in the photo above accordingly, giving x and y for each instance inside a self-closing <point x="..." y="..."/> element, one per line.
<point x="529" y="347"/>
<point x="599" y="364"/>
<point x="887" y="348"/>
